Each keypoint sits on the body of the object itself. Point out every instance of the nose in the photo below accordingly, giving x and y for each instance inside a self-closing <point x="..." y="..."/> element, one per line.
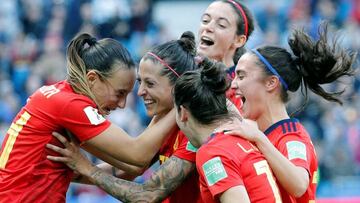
<point x="141" y="90"/>
<point x="234" y="84"/>
<point x="121" y="103"/>
<point x="209" y="27"/>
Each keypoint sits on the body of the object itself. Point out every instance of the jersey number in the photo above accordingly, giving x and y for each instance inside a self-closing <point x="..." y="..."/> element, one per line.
<point x="262" y="167"/>
<point x="13" y="132"/>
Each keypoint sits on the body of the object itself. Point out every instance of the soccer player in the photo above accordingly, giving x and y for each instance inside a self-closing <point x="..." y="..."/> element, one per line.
<point x="230" y="169"/>
<point x="100" y="75"/>
<point x="158" y="71"/>
<point x="225" y="27"/>
<point x="264" y="77"/>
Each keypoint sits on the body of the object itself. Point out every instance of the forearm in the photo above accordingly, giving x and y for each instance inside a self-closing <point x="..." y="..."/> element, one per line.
<point x="148" y="143"/>
<point x="112" y="162"/>
<point x="164" y="181"/>
<point x="293" y="179"/>
<point x="123" y="190"/>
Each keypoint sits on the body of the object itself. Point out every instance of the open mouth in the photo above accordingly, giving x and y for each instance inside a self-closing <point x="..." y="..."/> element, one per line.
<point x="148" y="102"/>
<point x="243" y="99"/>
<point x="206" y="41"/>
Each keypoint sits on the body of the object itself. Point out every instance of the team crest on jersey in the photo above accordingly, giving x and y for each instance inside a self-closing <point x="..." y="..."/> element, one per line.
<point x="93" y="115"/>
<point x="296" y="150"/>
<point x="214" y="171"/>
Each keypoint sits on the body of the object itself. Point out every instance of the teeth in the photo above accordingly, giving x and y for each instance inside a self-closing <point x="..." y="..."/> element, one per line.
<point x="207" y="41"/>
<point x="206" y="38"/>
<point x="148" y="101"/>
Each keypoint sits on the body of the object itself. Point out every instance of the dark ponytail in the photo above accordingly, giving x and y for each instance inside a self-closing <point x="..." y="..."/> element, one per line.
<point x="321" y="63"/>
<point x="314" y="63"/>
<point x="203" y="92"/>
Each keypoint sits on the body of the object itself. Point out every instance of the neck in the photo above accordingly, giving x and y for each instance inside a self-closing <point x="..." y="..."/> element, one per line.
<point x="273" y="113"/>
<point x="228" y="60"/>
<point x="202" y="133"/>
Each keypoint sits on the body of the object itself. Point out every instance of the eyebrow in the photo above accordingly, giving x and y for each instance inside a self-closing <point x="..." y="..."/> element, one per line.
<point x="238" y="72"/>
<point x="221" y="18"/>
<point x="225" y="19"/>
<point x="205" y="14"/>
<point x="146" y="79"/>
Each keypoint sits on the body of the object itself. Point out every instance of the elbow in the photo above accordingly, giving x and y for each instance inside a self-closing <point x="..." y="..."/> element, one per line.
<point x="141" y="162"/>
<point x="300" y="189"/>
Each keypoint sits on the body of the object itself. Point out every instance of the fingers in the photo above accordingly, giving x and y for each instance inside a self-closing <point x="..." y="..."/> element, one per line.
<point x="233" y="132"/>
<point x="57" y="158"/>
<point x="57" y="149"/>
<point x="61" y="138"/>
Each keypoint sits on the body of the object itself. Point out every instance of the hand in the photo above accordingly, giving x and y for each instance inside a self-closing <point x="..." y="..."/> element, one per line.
<point x="246" y="129"/>
<point x="234" y="123"/>
<point x="71" y="155"/>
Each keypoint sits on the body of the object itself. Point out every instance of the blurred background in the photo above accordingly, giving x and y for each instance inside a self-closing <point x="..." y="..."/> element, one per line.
<point x="34" y="35"/>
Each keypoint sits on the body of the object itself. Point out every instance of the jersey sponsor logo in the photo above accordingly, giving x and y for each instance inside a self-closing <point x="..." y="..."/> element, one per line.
<point x="93" y="115"/>
<point x="296" y="150"/>
<point x="214" y="171"/>
<point x="191" y="147"/>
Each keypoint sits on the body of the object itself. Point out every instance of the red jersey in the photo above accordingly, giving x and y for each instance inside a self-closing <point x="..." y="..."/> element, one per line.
<point x="26" y="175"/>
<point x="178" y="145"/>
<point x="228" y="161"/>
<point x="230" y="93"/>
<point x="292" y="140"/>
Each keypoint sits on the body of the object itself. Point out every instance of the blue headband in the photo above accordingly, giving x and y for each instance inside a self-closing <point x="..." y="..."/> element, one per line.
<point x="270" y="68"/>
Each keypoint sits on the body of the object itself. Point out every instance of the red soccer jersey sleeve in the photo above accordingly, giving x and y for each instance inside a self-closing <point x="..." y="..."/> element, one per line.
<point x="228" y="161"/>
<point x="293" y="141"/>
<point x="218" y="172"/>
<point x="177" y="145"/>
<point x="82" y="119"/>
<point x="185" y="149"/>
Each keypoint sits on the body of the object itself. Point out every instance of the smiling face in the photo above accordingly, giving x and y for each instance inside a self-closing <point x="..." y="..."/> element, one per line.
<point x="249" y="84"/>
<point x="155" y="89"/>
<point x="112" y="92"/>
<point x="217" y="31"/>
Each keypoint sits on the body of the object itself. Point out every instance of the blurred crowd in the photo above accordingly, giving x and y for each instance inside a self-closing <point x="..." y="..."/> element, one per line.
<point x="34" y="35"/>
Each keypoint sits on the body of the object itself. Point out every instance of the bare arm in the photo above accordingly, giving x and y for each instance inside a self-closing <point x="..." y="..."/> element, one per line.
<point x="234" y="195"/>
<point x="138" y="151"/>
<point x="294" y="179"/>
<point x="164" y="181"/>
<point x="160" y="185"/>
<point x="119" y="165"/>
<point x="107" y="168"/>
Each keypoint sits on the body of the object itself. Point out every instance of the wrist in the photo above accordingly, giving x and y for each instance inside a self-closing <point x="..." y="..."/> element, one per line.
<point x="89" y="170"/>
<point x="262" y="143"/>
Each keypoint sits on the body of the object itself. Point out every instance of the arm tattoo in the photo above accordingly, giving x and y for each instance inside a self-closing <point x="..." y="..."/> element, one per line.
<point x="162" y="182"/>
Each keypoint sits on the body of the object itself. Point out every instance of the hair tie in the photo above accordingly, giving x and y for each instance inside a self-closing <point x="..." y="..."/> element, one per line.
<point x="91" y="41"/>
<point x="242" y="12"/>
<point x="270" y="68"/>
<point x="163" y="63"/>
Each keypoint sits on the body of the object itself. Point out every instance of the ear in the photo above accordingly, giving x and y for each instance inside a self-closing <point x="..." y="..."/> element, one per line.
<point x="240" y="41"/>
<point x="92" y="77"/>
<point x="272" y="82"/>
<point x="184" y="114"/>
